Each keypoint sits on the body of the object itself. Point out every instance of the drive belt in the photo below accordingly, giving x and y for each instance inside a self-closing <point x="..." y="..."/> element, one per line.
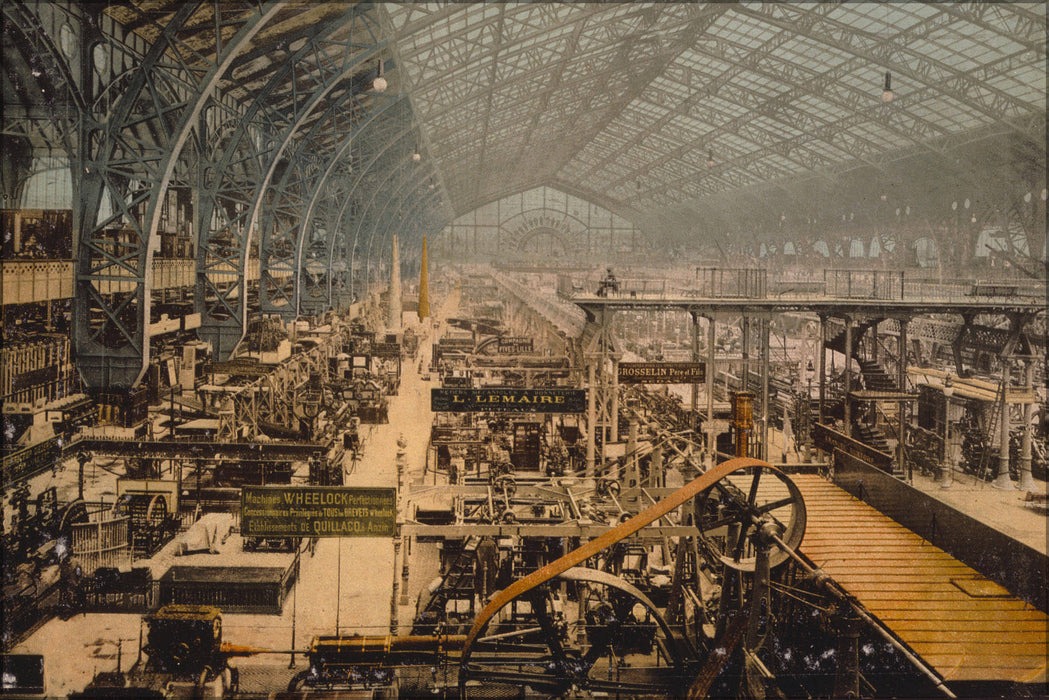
<point x="620" y="532"/>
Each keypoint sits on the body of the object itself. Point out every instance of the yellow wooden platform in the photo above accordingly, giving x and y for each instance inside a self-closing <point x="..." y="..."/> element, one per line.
<point x="965" y="626"/>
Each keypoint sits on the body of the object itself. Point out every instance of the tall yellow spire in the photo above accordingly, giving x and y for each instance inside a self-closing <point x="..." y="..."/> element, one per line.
<point x="424" y="286"/>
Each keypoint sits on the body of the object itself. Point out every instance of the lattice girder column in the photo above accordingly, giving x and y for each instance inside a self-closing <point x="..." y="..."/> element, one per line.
<point x="230" y="203"/>
<point x="600" y="355"/>
<point x="314" y="281"/>
<point x="132" y="149"/>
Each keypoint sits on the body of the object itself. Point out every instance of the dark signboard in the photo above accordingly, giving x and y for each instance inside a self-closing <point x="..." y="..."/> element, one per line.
<point x="241" y="368"/>
<point x="386" y="349"/>
<point x="23" y="674"/>
<point x="34" y="377"/>
<point x="662" y="372"/>
<point x="317" y="511"/>
<point x="829" y="440"/>
<point x="507" y="399"/>
<point x="512" y="345"/>
<point x="27" y="462"/>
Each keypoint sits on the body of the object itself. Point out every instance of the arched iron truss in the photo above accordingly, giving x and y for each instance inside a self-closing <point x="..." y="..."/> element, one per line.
<point x="288" y="102"/>
<point x="50" y="99"/>
<point x="396" y="136"/>
<point x="753" y="128"/>
<point x="343" y="246"/>
<point x="132" y="151"/>
<point x="399" y="178"/>
<point x="313" y="283"/>
<point x="209" y="106"/>
<point x="410" y="203"/>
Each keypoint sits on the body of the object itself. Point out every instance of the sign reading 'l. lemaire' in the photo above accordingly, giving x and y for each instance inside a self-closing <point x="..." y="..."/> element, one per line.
<point x="507" y="399"/>
<point x="662" y="372"/>
<point x="317" y="511"/>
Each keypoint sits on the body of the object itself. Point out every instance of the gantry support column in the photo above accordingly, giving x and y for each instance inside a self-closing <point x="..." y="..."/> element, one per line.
<point x="874" y="341"/>
<point x="901" y="382"/>
<point x="848" y="376"/>
<point x="711" y="435"/>
<point x="1026" y="479"/>
<point x="600" y="357"/>
<point x="711" y="371"/>
<point x="745" y="332"/>
<point x="695" y="358"/>
<point x="591" y="416"/>
<point x="393" y="320"/>
<point x="823" y="367"/>
<point x="765" y="327"/>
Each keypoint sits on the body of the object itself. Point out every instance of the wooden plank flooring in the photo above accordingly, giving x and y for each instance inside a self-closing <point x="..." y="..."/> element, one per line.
<point x="922" y="593"/>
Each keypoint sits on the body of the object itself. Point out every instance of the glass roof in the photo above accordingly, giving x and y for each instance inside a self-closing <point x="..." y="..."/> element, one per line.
<point x="649" y="105"/>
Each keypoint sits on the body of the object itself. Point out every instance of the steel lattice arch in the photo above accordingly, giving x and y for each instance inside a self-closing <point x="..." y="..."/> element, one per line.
<point x="738" y="130"/>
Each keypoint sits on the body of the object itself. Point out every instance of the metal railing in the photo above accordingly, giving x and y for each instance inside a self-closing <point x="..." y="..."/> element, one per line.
<point x="885" y="285"/>
<point x="731" y="283"/>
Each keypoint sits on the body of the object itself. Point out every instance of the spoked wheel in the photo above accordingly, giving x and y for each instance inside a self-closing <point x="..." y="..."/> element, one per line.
<point x="603" y="642"/>
<point x="731" y="512"/>
<point x="730" y="498"/>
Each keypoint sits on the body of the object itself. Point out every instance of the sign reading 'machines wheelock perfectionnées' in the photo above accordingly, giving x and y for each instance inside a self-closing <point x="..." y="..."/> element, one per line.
<point x="508" y="399"/>
<point x="317" y="511"/>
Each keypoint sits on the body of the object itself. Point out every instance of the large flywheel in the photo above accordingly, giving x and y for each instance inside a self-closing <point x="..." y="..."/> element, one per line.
<point x="737" y="508"/>
<point x="531" y="636"/>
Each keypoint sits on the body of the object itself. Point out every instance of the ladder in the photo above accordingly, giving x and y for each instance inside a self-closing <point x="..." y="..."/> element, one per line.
<point x="992" y="431"/>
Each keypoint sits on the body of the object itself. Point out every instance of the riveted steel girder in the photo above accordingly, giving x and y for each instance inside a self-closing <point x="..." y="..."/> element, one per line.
<point x="371" y="220"/>
<point x="408" y="218"/>
<point x="55" y="122"/>
<point x="313" y="283"/>
<point x="343" y="247"/>
<point x="278" y="245"/>
<point x="131" y="156"/>
<point x="387" y="189"/>
<point x="386" y="162"/>
<point x="288" y="202"/>
<point x="230" y="203"/>
<point x="391" y="218"/>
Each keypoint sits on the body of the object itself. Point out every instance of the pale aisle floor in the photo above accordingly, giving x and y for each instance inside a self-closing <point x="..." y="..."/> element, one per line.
<point x="359" y="595"/>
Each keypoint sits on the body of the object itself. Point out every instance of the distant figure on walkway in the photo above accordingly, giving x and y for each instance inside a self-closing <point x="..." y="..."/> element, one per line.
<point x="608" y="284"/>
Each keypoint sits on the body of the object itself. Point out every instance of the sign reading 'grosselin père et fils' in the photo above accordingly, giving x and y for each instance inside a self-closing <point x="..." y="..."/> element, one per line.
<point x="662" y="372"/>
<point x="513" y="400"/>
<point x="317" y="511"/>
